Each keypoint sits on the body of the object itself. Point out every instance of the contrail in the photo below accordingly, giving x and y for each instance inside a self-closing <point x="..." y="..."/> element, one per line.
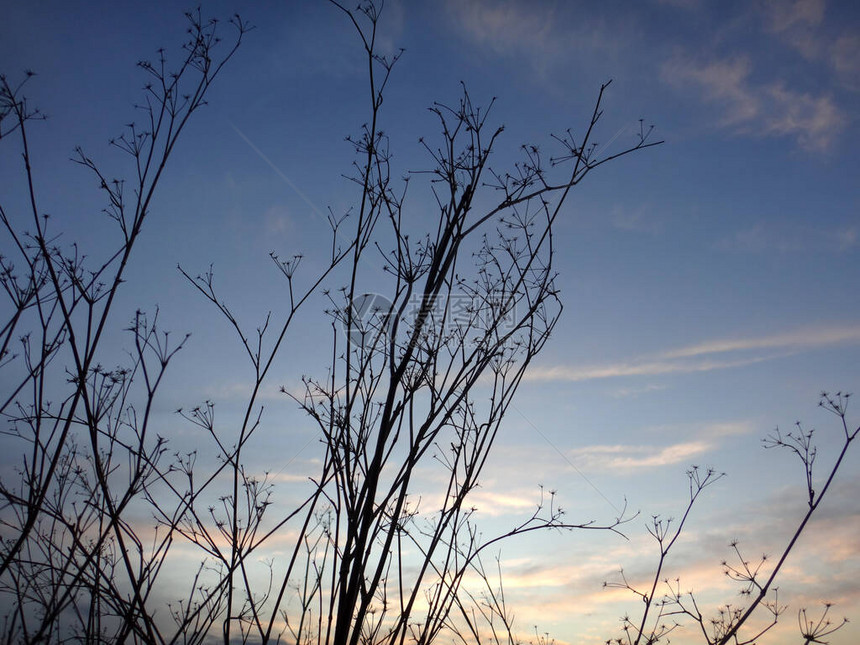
<point x="279" y="172"/>
<point x="563" y="456"/>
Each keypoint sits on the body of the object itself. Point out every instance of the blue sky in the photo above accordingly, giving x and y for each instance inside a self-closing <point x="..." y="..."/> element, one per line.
<point x="709" y="284"/>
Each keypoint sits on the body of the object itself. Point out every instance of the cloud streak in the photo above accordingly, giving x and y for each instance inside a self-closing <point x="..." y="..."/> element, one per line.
<point x="634" y="368"/>
<point x="541" y="34"/>
<point x="706" y="356"/>
<point x="800" y="339"/>
<point x="623" y="458"/>
<point x="777" y="236"/>
<point x="758" y="109"/>
<point x="507" y="27"/>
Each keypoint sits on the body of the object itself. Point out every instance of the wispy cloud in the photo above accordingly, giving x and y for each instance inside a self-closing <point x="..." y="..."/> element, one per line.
<point x="846" y="238"/>
<point x="845" y="60"/>
<point x="624" y="458"/>
<point x="491" y="504"/>
<point x="724" y="81"/>
<point x="815" y="121"/>
<point x="624" y="392"/>
<point x="635" y="368"/>
<point x="279" y="223"/>
<point x="758" y="109"/>
<point x="242" y="391"/>
<point x="796" y="340"/>
<point x="637" y="220"/>
<point x="796" y="22"/>
<point x="538" y="33"/>
<point x="788" y="15"/>
<point x="507" y="27"/>
<point x="802" y="25"/>
<point x="751" y="101"/>
<point x="785" y="238"/>
<point x="286" y="478"/>
<point x="704" y="357"/>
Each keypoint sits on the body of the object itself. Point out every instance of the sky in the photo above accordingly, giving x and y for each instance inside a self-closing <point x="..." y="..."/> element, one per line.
<point x="709" y="284"/>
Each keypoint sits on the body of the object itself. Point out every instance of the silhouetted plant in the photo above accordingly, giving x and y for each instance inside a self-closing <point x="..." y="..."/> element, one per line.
<point x="422" y="372"/>
<point x="72" y="564"/>
<point x="662" y="611"/>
